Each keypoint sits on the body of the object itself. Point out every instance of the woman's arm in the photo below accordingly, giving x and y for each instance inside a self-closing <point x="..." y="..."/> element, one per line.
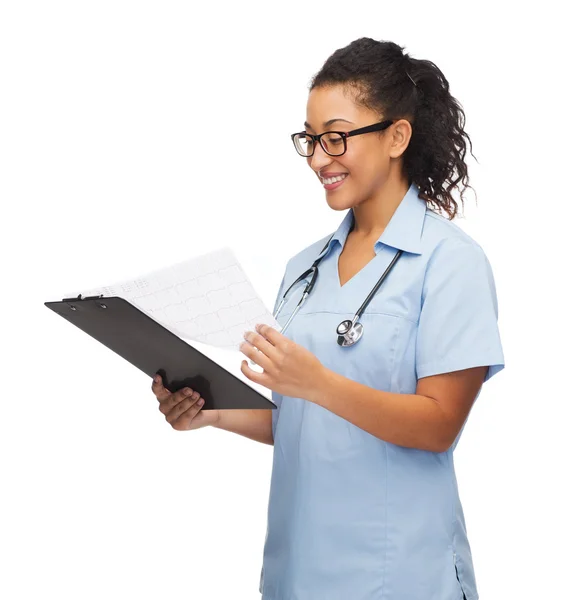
<point x="430" y="419"/>
<point x="252" y="423"/>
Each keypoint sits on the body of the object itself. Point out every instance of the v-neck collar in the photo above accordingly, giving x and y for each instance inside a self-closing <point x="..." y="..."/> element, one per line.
<point x="356" y="275"/>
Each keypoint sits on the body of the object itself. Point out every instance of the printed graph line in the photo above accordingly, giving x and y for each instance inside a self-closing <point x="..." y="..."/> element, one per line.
<point x="208" y="299"/>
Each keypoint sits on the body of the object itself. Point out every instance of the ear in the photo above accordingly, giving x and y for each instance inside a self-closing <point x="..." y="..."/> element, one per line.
<point x="401" y="132"/>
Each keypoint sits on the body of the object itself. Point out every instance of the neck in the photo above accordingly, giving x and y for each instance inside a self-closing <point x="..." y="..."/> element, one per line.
<point x="373" y="215"/>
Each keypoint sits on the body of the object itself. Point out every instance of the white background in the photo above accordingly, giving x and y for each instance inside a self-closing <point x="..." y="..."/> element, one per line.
<point x="137" y="134"/>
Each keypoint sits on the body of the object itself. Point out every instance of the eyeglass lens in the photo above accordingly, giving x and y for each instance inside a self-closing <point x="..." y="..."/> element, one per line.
<point x="333" y="143"/>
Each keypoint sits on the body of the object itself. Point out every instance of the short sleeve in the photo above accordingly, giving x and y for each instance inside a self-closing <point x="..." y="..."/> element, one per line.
<point x="458" y="324"/>
<point x="277" y="398"/>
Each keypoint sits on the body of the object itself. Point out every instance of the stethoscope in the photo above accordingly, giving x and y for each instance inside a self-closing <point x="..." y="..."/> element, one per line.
<point x="349" y="331"/>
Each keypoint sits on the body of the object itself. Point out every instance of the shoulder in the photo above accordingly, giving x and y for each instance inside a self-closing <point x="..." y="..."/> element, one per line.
<point x="444" y="241"/>
<point x="302" y="260"/>
<point x="452" y="258"/>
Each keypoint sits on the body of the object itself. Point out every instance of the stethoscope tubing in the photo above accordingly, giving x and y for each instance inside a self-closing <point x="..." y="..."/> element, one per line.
<point x="348" y="326"/>
<point x="377" y="285"/>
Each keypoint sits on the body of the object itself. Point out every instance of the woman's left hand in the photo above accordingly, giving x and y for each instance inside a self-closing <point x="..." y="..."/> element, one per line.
<point x="288" y="369"/>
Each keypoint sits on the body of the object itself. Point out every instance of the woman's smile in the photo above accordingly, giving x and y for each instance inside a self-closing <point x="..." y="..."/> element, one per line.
<point x="335" y="182"/>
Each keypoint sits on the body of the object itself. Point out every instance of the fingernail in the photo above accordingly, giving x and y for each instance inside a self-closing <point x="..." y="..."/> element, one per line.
<point x="157" y="379"/>
<point x="187" y="391"/>
<point x="200" y="402"/>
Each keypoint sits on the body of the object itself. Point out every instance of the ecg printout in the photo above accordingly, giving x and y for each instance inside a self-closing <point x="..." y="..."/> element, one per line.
<point x="207" y="299"/>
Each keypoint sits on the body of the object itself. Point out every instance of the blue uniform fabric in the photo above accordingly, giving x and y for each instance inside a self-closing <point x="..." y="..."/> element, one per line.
<point x="352" y="517"/>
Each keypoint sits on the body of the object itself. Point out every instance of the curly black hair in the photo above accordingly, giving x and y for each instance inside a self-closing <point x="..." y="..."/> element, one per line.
<point x="377" y="71"/>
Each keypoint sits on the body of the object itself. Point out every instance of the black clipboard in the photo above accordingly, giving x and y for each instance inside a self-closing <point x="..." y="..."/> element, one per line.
<point x="149" y="346"/>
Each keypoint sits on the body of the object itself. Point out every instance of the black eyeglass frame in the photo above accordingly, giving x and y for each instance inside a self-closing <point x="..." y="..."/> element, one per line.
<point x="345" y="134"/>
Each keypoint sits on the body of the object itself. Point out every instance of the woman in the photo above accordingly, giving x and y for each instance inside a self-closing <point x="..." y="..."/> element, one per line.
<point x="364" y="502"/>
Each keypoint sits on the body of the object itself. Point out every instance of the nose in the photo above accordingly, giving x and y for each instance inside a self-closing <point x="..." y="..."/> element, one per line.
<point x="319" y="159"/>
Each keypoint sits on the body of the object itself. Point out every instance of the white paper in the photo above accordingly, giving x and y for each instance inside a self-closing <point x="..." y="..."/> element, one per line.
<point x="208" y="299"/>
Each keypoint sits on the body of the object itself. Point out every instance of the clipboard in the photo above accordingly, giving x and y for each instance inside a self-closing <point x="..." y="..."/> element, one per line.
<point x="149" y="346"/>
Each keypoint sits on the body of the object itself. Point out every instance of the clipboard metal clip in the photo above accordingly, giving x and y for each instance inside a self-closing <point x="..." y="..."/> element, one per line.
<point x="79" y="298"/>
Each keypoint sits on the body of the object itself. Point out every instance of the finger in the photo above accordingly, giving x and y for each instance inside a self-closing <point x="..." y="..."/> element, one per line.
<point x="176" y="398"/>
<point x="186" y="408"/>
<point x="185" y="420"/>
<point x="260" y="378"/>
<point x="271" y="334"/>
<point x="258" y="341"/>
<point x="159" y="390"/>
<point x="258" y="357"/>
<point x="178" y="411"/>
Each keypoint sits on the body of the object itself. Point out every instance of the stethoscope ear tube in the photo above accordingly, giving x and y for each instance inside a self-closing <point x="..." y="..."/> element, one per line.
<point x="303" y="298"/>
<point x="307" y="290"/>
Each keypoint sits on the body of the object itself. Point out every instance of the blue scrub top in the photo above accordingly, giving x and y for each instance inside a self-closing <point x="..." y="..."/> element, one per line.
<point x="352" y="517"/>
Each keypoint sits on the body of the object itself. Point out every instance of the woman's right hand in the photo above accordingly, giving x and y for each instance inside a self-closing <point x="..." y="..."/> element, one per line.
<point x="182" y="409"/>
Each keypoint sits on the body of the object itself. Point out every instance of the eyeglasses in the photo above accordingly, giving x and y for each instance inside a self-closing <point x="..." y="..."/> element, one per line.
<point x="333" y="143"/>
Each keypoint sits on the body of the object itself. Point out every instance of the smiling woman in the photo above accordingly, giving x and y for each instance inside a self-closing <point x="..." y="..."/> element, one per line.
<point x="363" y="499"/>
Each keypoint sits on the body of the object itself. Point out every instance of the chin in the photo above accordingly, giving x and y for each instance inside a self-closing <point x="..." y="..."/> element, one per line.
<point x="338" y="203"/>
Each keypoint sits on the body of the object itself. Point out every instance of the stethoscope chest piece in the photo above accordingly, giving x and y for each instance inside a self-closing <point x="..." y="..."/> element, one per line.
<point x="349" y="332"/>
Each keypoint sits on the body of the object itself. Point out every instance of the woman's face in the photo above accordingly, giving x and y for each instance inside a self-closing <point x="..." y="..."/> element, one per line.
<point x="371" y="158"/>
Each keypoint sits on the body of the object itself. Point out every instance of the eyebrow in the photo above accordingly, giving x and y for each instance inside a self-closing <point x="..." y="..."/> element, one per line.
<point x="327" y="123"/>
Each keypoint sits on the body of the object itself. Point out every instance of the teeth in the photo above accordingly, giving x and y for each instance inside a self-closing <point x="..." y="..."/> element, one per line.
<point x="333" y="179"/>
